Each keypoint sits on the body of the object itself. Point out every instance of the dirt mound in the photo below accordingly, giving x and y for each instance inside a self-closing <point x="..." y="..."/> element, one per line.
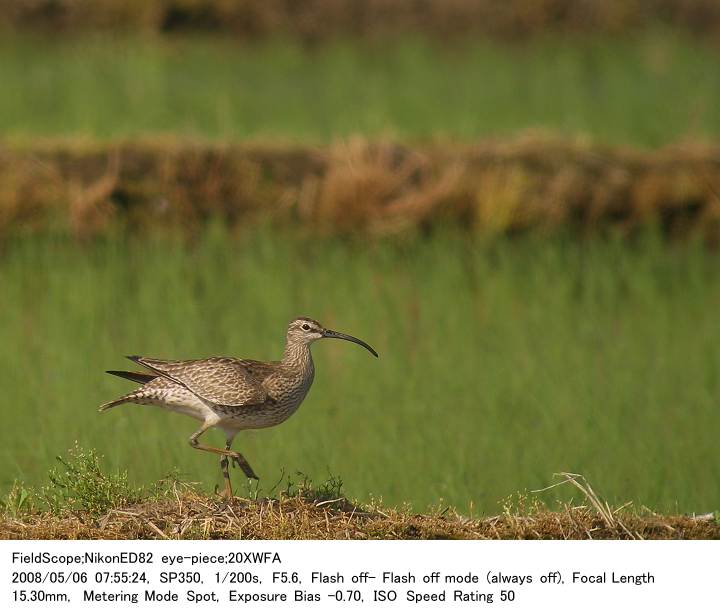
<point x="193" y="516"/>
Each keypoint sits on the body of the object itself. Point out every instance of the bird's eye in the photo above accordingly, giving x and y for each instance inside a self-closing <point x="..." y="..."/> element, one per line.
<point x="306" y="327"/>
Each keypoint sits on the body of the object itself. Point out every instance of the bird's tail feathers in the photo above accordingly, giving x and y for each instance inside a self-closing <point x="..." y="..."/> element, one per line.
<point x="138" y="377"/>
<point x="104" y="408"/>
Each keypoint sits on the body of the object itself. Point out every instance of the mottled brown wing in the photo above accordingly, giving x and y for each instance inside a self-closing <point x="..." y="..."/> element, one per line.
<point x="220" y="380"/>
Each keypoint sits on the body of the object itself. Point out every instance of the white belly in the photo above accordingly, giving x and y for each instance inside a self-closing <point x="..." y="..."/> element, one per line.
<point x="190" y="405"/>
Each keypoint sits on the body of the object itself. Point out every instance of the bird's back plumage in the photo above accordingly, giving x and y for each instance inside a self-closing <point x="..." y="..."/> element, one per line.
<point x="222" y="381"/>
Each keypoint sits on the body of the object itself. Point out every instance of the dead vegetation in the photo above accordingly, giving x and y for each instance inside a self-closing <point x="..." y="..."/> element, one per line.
<point x="313" y="21"/>
<point x="189" y="515"/>
<point x="361" y="186"/>
<point x="84" y="503"/>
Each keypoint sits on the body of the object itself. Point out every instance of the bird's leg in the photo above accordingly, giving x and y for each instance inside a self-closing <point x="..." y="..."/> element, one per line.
<point x="224" y="462"/>
<point x="236" y="456"/>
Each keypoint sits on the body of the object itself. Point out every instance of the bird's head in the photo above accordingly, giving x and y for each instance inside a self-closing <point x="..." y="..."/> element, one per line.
<point x="306" y="331"/>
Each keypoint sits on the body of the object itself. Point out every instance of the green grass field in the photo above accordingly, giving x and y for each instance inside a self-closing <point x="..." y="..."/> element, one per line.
<point x="649" y="90"/>
<point x="500" y="363"/>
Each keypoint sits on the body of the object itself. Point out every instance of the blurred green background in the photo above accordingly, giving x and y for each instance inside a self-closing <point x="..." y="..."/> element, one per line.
<point x="649" y="89"/>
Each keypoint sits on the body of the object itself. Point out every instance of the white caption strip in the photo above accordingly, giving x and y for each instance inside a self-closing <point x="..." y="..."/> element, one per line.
<point x="353" y="577"/>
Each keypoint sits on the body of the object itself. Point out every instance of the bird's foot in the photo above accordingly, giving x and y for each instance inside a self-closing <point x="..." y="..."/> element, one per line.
<point x="242" y="463"/>
<point x="225" y="493"/>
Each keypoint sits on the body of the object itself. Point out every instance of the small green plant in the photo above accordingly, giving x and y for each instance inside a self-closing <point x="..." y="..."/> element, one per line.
<point x="330" y="489"/>
<point x="16" y="501"/>
<point x="79" y="485"/>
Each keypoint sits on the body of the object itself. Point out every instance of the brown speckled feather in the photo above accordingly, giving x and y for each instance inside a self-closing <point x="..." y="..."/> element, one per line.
<point x="220" y="380"/>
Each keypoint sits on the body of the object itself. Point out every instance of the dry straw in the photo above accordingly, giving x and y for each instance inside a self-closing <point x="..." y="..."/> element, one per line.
<point x="533" y="183"/>
<point x="313" y="21"/>
<point x="184" y="513"/>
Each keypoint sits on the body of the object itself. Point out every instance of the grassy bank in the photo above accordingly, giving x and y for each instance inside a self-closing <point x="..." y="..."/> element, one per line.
<point x="500" y="363"/>
<point x="190" y="515"/>
<point x="651" y="89"/>
<point x="361" y="187"/>
<point x="316" y="21"/>
<point x="83" y="501"/>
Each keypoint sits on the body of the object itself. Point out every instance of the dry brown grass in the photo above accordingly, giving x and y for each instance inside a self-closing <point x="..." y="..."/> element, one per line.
<point x="317" y="20"/>
<point x="197" y="517"/>
<point x="360" y="186"/>
<point x="185" y="514"/>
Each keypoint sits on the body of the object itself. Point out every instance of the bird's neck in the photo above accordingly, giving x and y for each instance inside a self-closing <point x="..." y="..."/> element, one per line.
<point x="296" y="355"/>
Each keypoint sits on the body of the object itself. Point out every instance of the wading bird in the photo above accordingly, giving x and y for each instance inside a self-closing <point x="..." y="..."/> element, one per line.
<point x="232" y="394"/>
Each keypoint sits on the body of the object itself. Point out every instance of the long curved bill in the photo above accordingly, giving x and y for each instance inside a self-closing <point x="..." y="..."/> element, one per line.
<point x="329" y="333"/>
